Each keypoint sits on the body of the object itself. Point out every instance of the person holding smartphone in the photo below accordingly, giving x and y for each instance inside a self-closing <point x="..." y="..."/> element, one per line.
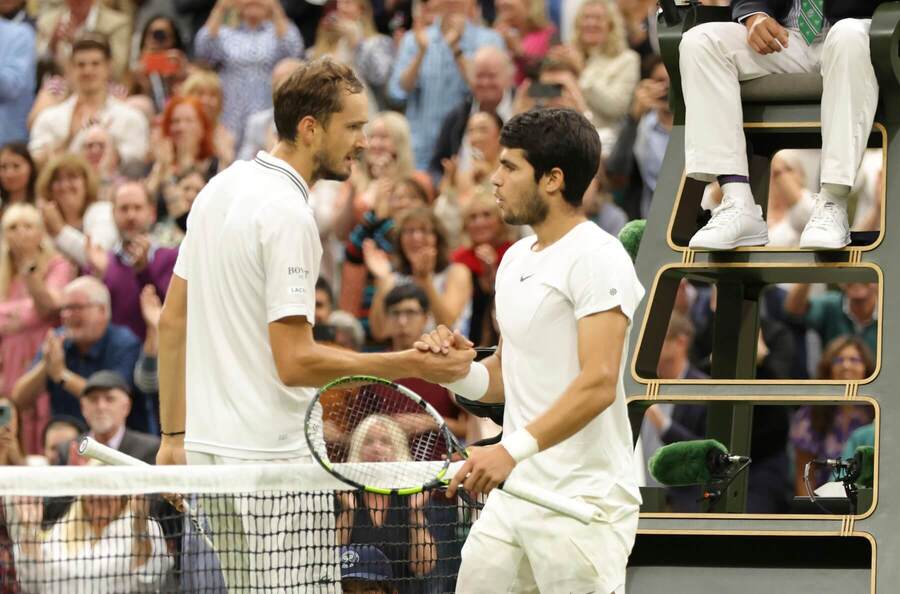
<point x="161" y="60"/>
<point x="10" y="452"/>
<point x="642" y="142"/>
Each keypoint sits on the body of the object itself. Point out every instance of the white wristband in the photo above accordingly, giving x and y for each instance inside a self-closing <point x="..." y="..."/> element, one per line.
<point x="520" y="445"/>
<point x="475" y="383"/>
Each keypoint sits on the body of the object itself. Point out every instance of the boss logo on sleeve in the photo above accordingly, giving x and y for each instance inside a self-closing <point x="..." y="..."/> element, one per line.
<point x="298" y="271"/>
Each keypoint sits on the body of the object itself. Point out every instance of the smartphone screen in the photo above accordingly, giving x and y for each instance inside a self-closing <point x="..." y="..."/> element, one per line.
<point x="5" y="415"/>
<point x="539" y="90"/>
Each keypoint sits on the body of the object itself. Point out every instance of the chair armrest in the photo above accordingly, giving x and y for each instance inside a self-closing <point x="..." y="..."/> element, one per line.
<point x="884" y="46"/>
<point x="670" y="40"/>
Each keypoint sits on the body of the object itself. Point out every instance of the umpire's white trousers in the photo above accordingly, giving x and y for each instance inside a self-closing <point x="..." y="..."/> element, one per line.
<point x="516" y="547"/>
<point x="716" y="56"/>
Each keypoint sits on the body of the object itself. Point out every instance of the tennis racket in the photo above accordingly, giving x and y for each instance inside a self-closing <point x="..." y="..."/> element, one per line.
<point x="381" y="437"/>
<point x="91" y="448"/>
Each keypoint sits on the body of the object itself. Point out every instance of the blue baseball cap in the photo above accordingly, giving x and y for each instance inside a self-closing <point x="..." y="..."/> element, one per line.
<point x="364" y="562"/>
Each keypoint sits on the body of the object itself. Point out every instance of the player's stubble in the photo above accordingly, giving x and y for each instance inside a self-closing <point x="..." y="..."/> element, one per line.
<point x="531" y="210"/>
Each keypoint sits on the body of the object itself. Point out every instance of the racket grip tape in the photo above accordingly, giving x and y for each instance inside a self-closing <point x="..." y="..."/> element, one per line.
<point x="579" y="510"/>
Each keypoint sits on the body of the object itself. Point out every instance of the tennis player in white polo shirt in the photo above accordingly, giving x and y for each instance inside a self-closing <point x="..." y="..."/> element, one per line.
<point x="238" y="365"/>
<point x="565" y="298"/>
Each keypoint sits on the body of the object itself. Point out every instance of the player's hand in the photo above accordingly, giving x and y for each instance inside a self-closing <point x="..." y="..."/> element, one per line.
<point x="765" y="35"/>
<point x="171" y="451"/>
<point x="446" y="368"/>
<point x="441" y="340"/>
<point x="485" y="470"/>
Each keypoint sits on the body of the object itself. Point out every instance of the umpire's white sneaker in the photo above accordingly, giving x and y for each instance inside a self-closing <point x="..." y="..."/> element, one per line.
<point x="734" y="223"/>
<point x="827" y="228"/>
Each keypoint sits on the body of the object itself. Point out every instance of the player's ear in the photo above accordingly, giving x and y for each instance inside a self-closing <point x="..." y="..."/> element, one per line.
<point x="307" y="130"/>
<point x="554" y="181"/>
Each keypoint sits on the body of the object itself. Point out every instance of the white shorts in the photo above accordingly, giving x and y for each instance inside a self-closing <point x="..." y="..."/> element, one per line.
<point x="273" y="542"/>
<point x="516" y="546"/>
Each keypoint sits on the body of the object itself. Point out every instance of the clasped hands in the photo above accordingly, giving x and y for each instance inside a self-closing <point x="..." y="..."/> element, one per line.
<point x="485" y="467"/>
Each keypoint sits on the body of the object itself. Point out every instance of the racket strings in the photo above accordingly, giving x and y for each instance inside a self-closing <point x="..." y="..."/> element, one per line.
<point x="373" y="431"/>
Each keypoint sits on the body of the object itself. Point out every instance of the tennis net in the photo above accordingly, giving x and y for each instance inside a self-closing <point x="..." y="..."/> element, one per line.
<point x="260" y="528"/>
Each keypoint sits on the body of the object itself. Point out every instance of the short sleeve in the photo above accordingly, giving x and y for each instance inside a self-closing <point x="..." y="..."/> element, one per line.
<point x="291" y="249"/>
<point x="603" y="279"/>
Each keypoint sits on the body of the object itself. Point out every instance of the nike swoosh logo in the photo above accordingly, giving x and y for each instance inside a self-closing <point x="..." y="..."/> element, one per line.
<point x="525" y="277"/>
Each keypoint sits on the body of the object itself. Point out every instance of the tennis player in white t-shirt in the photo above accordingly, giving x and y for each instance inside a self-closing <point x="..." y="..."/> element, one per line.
<point x="565" y="298"/>
<point x="238" y="365"/>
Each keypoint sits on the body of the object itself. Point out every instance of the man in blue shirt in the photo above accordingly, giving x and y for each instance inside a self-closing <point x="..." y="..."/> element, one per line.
<point x="87" y="342"/>
<point x="18" y="56"/>
<point x="428" y="74"/>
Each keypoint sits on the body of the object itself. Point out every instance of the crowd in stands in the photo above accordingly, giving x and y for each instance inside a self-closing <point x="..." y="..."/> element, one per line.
<point x="115" y="113"/>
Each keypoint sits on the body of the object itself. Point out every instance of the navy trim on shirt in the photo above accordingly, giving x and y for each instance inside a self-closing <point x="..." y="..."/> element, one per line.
<point x="291" y="175"/>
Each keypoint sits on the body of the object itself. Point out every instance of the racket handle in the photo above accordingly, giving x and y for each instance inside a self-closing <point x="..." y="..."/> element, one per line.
<point x="91" y="448"/>
<point x="580" y="510"/>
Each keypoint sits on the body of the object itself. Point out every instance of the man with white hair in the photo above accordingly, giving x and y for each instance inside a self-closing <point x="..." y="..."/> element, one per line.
<point x="492" y="91"/>
<point x="86" y="342"/>
<point x="106" y="404"/>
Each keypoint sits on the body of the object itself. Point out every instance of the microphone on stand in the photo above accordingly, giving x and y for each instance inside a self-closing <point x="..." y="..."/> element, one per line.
<point x="696" y="462"/>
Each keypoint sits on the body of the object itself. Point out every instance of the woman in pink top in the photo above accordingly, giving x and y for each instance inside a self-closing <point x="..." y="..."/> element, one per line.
<point x="32" y="276"/>
<point x="528" y="36"/>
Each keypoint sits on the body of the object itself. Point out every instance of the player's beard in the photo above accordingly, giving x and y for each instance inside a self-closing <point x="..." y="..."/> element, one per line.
<point x="327" y="168"/>
<point x="531" y="210"/>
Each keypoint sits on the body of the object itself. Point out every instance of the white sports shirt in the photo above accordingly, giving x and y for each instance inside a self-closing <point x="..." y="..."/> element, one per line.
<point x="540" y="298"/>
<point x="250" y="257"/>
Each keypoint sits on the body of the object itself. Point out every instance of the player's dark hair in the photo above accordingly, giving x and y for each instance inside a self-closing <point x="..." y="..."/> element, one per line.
<point x="556" y="138"/>
<point x="404" y="292"/>
<point x="315" y="89"/>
